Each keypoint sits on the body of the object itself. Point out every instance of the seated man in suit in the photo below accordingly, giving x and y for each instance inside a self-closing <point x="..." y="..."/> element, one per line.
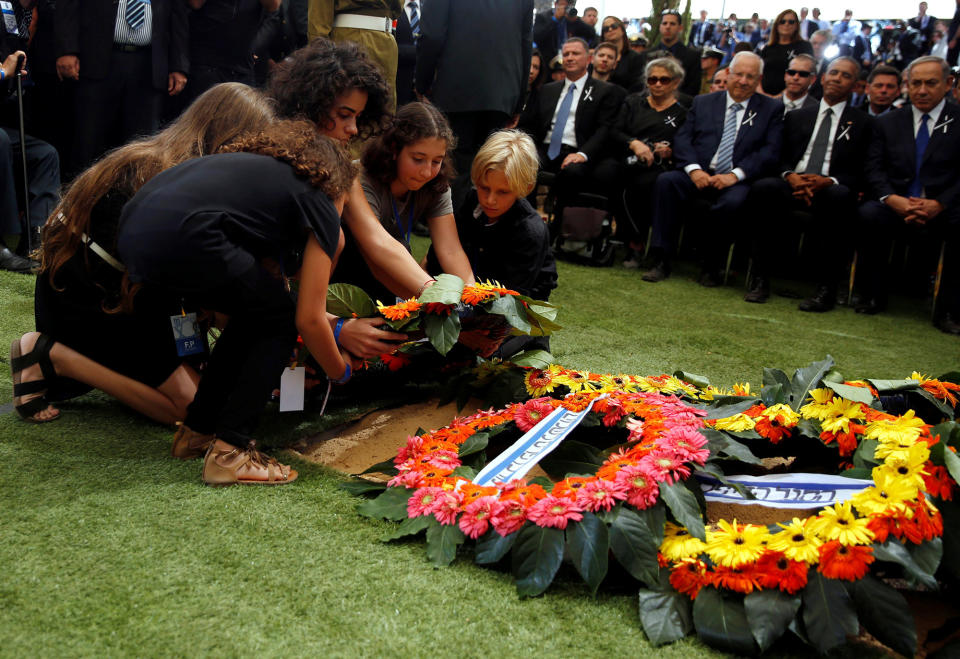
<point x="800" y="75"/>
<point x="821" y="171"/>
<point x="729" y="139"/>
<point x="883" y="88"/>
<point x="569" y="120"/>
<point x="912" y="168"/>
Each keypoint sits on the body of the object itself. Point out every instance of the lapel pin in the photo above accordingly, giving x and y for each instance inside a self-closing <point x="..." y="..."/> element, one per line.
<point x="749" y="120"/>
<point x="943" y="124"/>
<point x="586" y="94"/>
<point x="671" y="121"/>
<point x="845" y="133"/>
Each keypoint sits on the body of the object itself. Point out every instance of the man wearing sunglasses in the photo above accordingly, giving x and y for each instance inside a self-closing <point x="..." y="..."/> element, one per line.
<point x="821" y="171"/>
<point x="799" y="77"/>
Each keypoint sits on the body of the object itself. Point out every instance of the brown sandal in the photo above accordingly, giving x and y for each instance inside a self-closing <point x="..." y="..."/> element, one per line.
<point x="226" y="464"/>
<point x="188" y="444"/>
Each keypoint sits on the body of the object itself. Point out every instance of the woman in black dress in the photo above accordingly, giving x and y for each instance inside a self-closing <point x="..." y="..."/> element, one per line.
<point x="785" y="43"/>
<point x="225" y="233"/>
<point x="629" y="71"/>
<point x="87" y="340"/>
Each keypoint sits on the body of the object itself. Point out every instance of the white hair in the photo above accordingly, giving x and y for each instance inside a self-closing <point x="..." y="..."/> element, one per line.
<point x="742" y="55"/>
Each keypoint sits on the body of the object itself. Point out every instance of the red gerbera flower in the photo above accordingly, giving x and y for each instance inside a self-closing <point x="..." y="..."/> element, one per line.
<point x="743" y="579"/>
<point x="689" y="576"/>
<point x="774" y="570"/>
<point x="848" y="562"/>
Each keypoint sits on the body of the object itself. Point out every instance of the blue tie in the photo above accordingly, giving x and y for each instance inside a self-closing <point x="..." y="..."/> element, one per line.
<point x="556" y="138"/>
<point x="725" y="152"/>
<point x="134" y="14"/>
<point x="414" y="19"/>
<point x="923" y="138"/>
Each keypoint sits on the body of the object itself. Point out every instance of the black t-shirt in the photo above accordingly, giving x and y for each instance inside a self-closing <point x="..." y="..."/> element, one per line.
<point x="209" y="220"/>
<point x="775" y="61"/>
<point x="638" y="121"/>
<point x="222" y="33"/>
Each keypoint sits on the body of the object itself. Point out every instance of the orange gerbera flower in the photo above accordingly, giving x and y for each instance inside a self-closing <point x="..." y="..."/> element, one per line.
<point x="774" y="570"/>
<point x="472" y="492"/>
<point x="863" y="384"/>
<point x="689" y="576"/>
<point x="476" y="295"/>
<point x="882" y="526"/>
<point x="941" y="390"/>
<point x="568" y="487"/>
<point x="769" y="430"/>
<point x="848" y="562"/>
<point x="400" y="310"/>
<point x="743" y="579"/>
<point x="937" y="483"/>
<point x="527" y="494"/>
<point x="616" y="462"/>
<point x="455" y="434"/>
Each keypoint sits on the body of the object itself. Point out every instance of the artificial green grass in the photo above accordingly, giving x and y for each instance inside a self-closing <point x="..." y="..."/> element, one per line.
<point x="112" y="548"/>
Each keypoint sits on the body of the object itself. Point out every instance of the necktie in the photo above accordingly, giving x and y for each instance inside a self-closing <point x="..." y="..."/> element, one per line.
<point x="556" y="137"/>
<point x="725" y="152"/>
<point x="134" y="14"/>
<point x="414" y="19"/>
<point x="923" y="138"/>
<point x="819" y="151"/>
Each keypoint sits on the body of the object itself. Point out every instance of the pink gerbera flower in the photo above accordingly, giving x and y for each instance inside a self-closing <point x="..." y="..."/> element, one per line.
<point x="508" y="517"/>
<point x="635" y="426"/>
<point x="532" y="413"/>
<point x="554" y="512"/>
<point x="600" y="495"/>
<point x="410" y="450"/>
<point x="642" y="485"/>
<point x="476" y="517"/>
<point x="424" y="501"/>
<point x="448" y="507"/>
<point x="409" y="479"/>
<point x="666" y="465"/>
<point x="688" y="444"/>
<point x="442" y="460"/>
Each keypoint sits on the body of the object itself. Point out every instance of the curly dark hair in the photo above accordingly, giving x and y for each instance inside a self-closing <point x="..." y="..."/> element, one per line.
<point x="319" y="159"/>
<point x="307" y="83"/>
<point x="413" y="122"/>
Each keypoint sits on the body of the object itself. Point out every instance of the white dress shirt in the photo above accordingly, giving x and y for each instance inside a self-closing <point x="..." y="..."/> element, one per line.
<point x="409" y="10"/>
<point x="837" y="111"/>
<point x="740" y="174"/>
<point x="123" y="34"/>
<point x="789" y="105"/>
<point x="569" y="130"/>
<point x="932" y="122"/>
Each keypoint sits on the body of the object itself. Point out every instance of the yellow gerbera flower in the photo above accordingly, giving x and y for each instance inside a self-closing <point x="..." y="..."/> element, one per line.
<point x="675" y="384"/>
<point x="736" y="423"/>
<point x="576" y="380"/>
<point x="796" y="541"/>
<point x="837" y="522"/>
<point x="741" y="389"/>
<point x="735" y="544"/>
<point x="679" y="544"/>
<point x="619" y="382"/>
<point x="904" y="428"/>
<point x="818" y="408"/>
<point x="840" y="413"/>
<point x="540" y="382"/>
<point x="889" y="493"/>
<point x="782" y="414"/>
<point x="906" y="465"/>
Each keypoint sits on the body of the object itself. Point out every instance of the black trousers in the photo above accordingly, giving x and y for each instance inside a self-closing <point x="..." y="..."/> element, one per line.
<point x="43" y="180"/>
<point x="117" y="108"/>
<point x="472" y="130"/>
<point x="248" y="358"/>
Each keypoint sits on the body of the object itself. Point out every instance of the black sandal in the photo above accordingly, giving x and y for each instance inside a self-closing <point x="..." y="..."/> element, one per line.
<point x="39" y="355"/>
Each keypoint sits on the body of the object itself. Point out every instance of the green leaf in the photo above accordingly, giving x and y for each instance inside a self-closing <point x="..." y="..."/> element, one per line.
<point x="721" y="621"/>
<point x="492" y="547"/>
<point x="720" y="443"/>
<point x="886" y="614"/>
<point x="774" y="376"/>
<point x="684" y="507"/>
<point x="442" y="330"/>
<point x="537" y="555"/>
<point x="532" y="358"/>
<point x="828" y="614"/>
<point x="572" y="457"/>
<point x="542" y="324"/>
<point x="392" y="504"/>
<point x="887" y="386"/>
<point x="863" y="456"/>
<point x="723" y="411"/>
<point x="700" y="381"/>
<point x="941" y="405"/>
<point x="512" y="310"/>
<point x="950" y="510"/>
<point x="474" y="444"/>
<point x="447" y="290"/>
<point x="861" y="473"/>
<point x="952" y="463"/>
<point x="769" y="613"/>
<point x="442" y="542"/>
<point x="345" y="300"/>
<point x="665" y="615"/>
<point x="358" y="487"/>
<point x="386" y="467"/>
<point x="949" y="432"/>
<point x="807" y="378"/>
<point x="927" y="555"/>
<point x="409" y="526"/>
<point x="465" y="471"/>
<point x="857" y="394"/>
<point x="773" y="395"/>
<point x="634" y="544"/>
<point x="893" y="551"/>
<point x="588" y="544"/>
<point x="543" y="309"/>
<point x="808" y="428"/>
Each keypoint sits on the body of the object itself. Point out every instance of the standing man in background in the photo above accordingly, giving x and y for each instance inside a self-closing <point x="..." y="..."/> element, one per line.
<point x="408" y="33"/>
<point x="366" y="22"/>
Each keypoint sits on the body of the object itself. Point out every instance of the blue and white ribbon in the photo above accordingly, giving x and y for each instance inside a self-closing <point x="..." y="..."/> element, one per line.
<point x="797" y="491"/>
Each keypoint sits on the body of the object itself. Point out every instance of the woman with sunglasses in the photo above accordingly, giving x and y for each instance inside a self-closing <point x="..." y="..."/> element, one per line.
<point x="784" y="44"/>
<point x="643" y="137"/>
<point x="629" y="71"/>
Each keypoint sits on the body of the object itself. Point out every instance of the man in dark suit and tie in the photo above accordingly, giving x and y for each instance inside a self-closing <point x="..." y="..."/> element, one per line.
<point x="924" y="23"/>
<point x="728" y="140"/>
<point x="407" y="34"/>
<point x="569" y="120"/>
<point x="671" y="29"/>
<point x="821" y="171"/>
<point x="800" y="75"/>
<point x="912" y="168"/>
<point x="862" y="50"/>
<point x="551" y="29"/>
<point x="126" y="56"/>
<point x="701" y="34"/>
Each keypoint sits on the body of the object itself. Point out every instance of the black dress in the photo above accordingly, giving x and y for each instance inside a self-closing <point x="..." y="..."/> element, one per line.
<point x="220" y="231"/>
<point x="629" y="71"/>
<point x="776" y="58"/>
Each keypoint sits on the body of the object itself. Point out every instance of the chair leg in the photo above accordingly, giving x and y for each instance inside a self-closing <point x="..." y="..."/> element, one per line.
<point x="646" y="247"/>
<point x="749" y="271"/>
<point x="726" y="272"/>
<point x="853" y="278"/>
<point x="938" y="279"/>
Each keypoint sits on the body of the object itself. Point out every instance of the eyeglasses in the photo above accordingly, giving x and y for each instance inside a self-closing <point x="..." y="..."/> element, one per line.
<point x="607" y="28"/>
<point x="788" y="21"/>
<point x="802" y="74"/>
<point x="663" y="80"/>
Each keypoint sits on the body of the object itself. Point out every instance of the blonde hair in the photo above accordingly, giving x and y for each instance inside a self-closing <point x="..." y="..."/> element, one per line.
<point x="513" y="153"/>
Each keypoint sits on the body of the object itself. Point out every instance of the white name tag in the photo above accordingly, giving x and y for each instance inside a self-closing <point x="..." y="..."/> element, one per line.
<point x="292" y="388"/>
<point x="9" y="18"/>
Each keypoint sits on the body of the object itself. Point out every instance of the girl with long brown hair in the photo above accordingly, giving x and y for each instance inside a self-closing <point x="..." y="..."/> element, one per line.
<point x="784" y="44"/>
<point x="83" y="333"/>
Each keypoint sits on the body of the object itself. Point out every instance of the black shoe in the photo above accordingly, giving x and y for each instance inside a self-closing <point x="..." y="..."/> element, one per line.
<point x="759" y="292"/>
<point x="35" y="237"/>
<point x="823" y="300"/>
<point x="710" y="279"/>
<point x="13" y="263"/>
<point x="659" y="272"/>
<point x="421" y="229"/>
<point x="950" y="324"/>
<point x="871" y="306"/>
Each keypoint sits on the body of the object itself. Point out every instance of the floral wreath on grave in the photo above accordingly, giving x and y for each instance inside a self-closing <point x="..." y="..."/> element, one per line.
<point x="739" y="586"/>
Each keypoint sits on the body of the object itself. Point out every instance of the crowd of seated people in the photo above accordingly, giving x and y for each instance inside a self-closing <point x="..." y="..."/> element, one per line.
<point x="829" y="135"/>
